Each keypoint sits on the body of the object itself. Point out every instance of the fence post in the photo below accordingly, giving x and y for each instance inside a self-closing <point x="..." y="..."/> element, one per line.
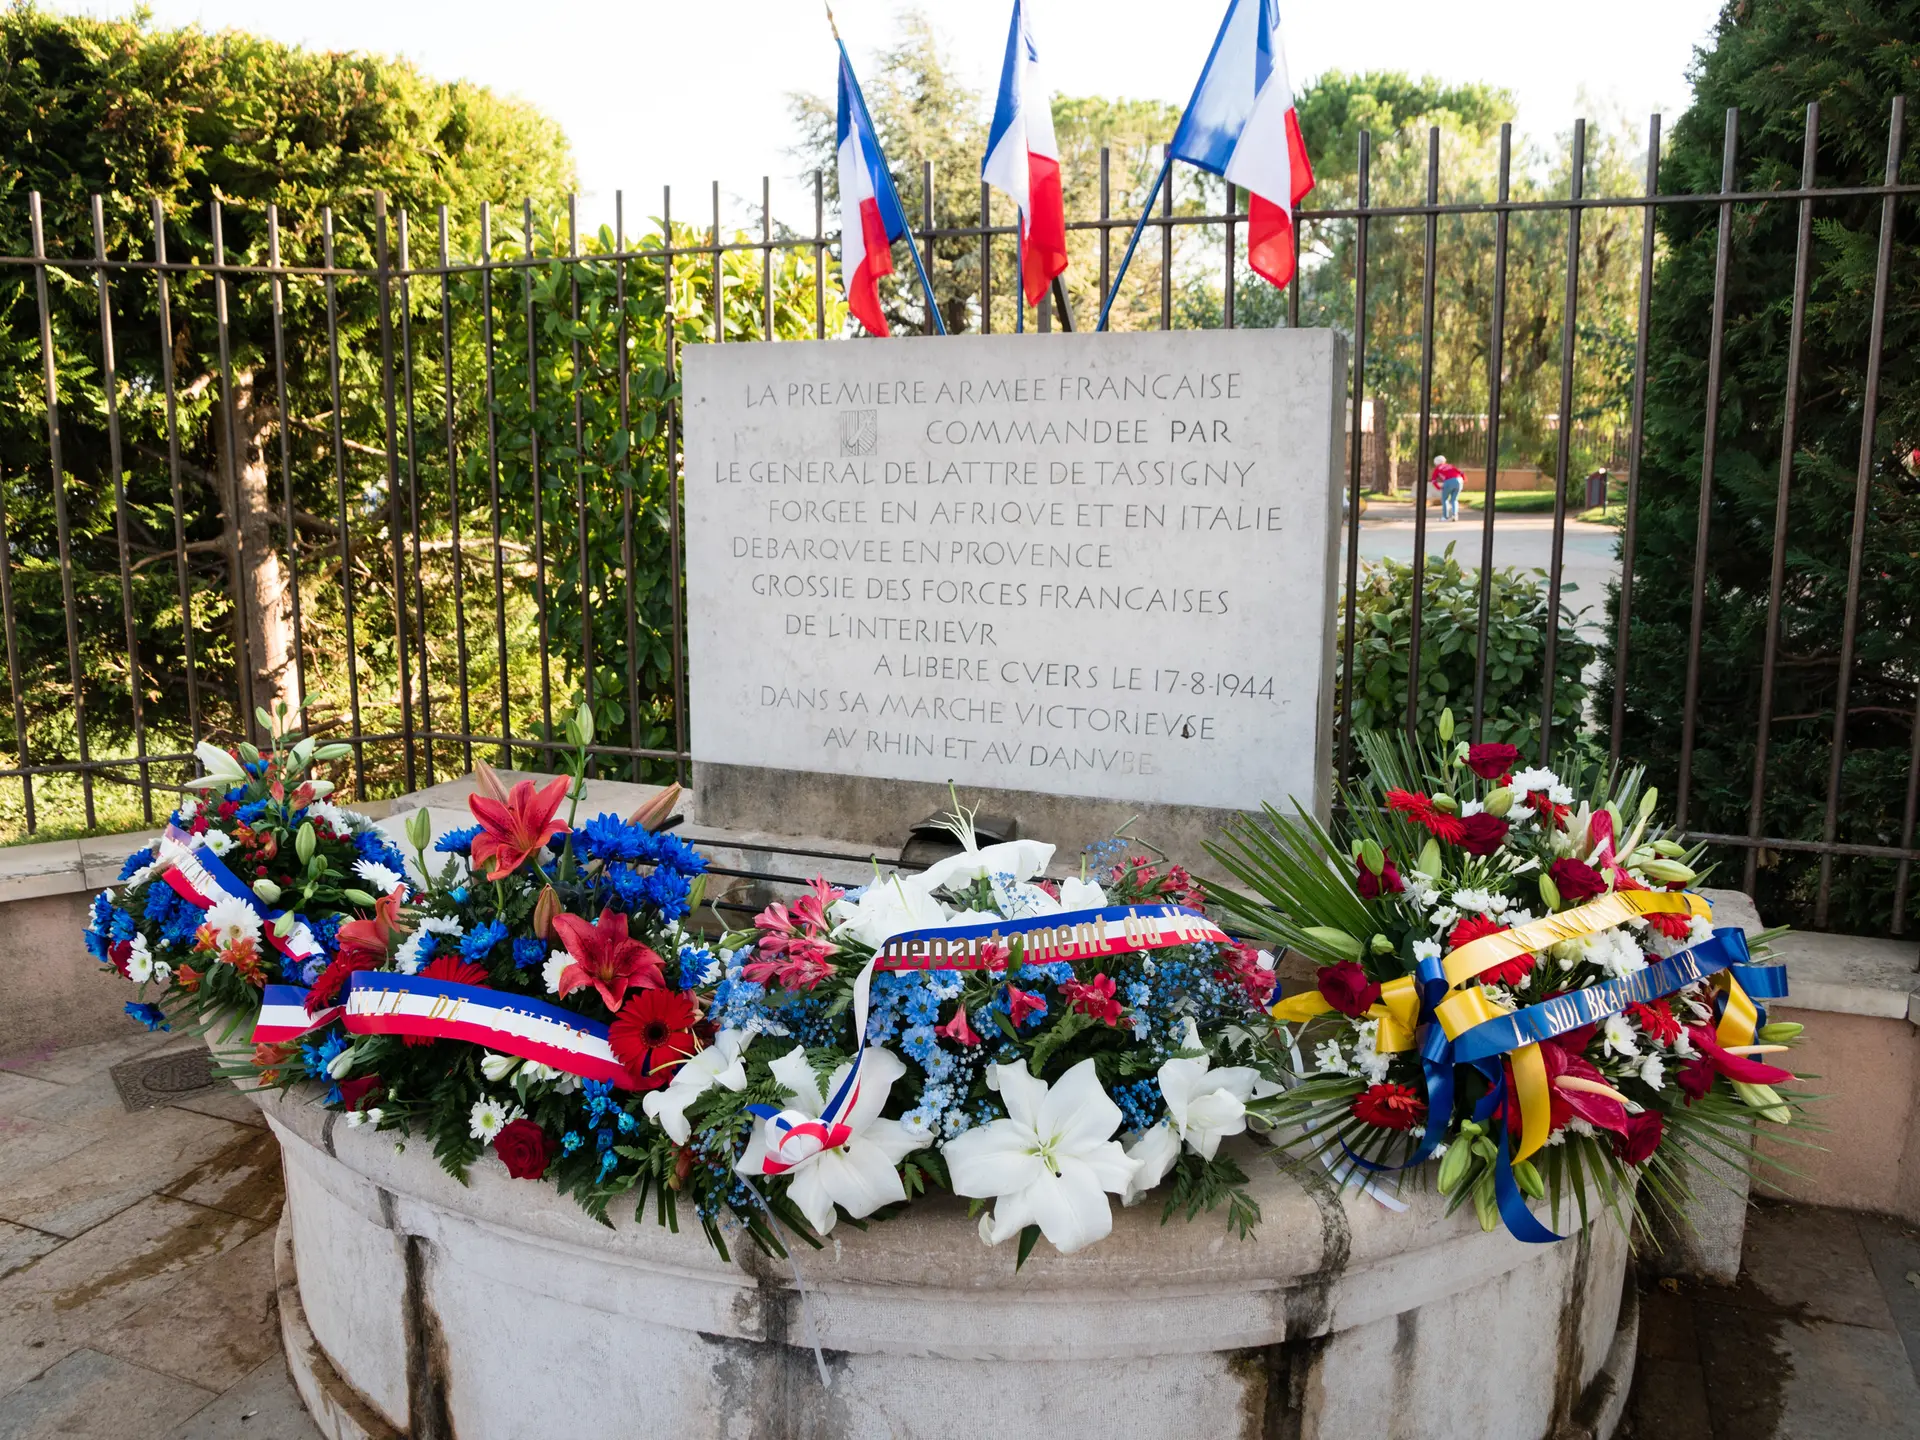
<point x="383" y="271"/>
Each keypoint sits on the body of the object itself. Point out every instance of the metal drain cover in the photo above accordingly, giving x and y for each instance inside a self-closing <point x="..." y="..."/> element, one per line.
<point x="163" y="1079"/>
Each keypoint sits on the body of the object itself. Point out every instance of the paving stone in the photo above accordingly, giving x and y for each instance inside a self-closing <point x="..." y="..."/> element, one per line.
<point x="214" y="1327"/>
<point x="225" y="1103"/>
<point x="90" y="1396"/>
<point x="65" y="1067"/>
<point x="243" y="1178"/>
<point x="87" y="1286"/>
<point x="1894" y="1249"/>
<point x="264" y="1406"/>
<point x="1846" y="1380"/>
<point x="90" y="1158"/>
<point x="1813" y="1263"/>
<point x="19" y="1091"/>
<point x="1670" y="1401"/>
<point x="21" y="1246"/>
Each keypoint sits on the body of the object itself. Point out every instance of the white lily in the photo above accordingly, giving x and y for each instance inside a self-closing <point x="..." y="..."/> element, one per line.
<point x="1050" y="1163"/>
<point x="861" y="1173"/>
<point x="1078" y="894"/>
<point x="1204" y="1106"/>
<point x="1154" y="1150"/>
<point x="718" y="1064"/>
<point x="1022" y="859"/>
<point x="885" y="909"/>
<point x="222" y="768"/>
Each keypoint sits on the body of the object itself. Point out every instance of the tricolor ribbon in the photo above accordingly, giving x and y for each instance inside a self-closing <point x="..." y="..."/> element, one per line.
<point x="793" y="1136"/>
<point x="1452" y="1022"/>
<point x="383" y="1002"/>
<point x="200" y="877"/>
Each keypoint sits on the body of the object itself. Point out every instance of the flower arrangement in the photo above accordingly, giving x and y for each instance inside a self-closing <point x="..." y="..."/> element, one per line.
<point x="1514" y="979"/>
<point x="1041" y="1047"/>
<point x="193" y="920"/>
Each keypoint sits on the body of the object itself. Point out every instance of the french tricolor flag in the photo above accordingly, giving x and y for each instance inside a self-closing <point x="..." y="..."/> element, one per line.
<point x="870" y="218"/>
<point x="1023" y="161"/>
<point x="1240" y="125"/>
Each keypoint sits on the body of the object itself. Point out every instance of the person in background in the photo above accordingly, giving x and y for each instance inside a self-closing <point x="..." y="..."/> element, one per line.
<point x="1448" y="480"/>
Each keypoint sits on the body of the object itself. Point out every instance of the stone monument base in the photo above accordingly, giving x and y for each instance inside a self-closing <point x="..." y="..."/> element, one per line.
<point x="499" y="1311"/>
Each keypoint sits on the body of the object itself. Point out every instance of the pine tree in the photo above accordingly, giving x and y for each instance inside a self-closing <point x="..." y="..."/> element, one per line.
<point x="1770" y="59"/>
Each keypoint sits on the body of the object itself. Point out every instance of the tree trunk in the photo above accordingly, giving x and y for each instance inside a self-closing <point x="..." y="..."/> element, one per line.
<point x="257" y="580"/>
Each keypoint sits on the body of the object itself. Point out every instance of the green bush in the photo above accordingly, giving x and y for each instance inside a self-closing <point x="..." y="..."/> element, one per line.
<point x="1449" y="644"/>
<point x="1764" y="62"/>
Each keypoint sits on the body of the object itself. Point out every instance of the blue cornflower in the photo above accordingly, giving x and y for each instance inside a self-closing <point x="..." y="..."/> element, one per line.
<point x="136" y="860"/>
<point x="326" y="930"/>
<point x="607" y="1163"/>
<point x="571" y="1141"/>
<point x="920" y="1043"/>
<point x="149" y="1015"/>
<point x="316" y="1057"/>
<point x="1058" y="971"/>
<point x="923" y="1007"/>
<point x="120" y="925"/>
<point x="695" y="961"/>
<point x="608" y="837"/>
<point x="457" y="842"/>
<point x="667" y="893"/>
<point x="251" y="811"/>
<point x="478" y="942"/>
<point x="528" y="951"/>
<point x="670" y="852"/>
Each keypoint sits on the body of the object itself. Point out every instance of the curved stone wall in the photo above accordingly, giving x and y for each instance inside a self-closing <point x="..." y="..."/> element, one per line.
<point x="499" y="1311"/>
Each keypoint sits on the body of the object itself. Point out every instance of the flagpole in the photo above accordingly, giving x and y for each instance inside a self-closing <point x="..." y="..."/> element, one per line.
<point x="1019" y="277"/>
<point x="886" y="171"/>
<point x="1153" y="195"/>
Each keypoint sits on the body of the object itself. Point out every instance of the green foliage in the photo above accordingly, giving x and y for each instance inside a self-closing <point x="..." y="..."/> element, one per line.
<point x="1449" y="632"/>
<point x="1770" y="58"/>
<point x="133" y="113"/>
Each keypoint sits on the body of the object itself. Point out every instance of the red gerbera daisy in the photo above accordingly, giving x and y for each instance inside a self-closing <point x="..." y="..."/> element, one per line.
<point x="1389" y="1107"/>
<point x="1477" y="927"/>
<point x="653" y="1034"/>
<point x="1423" y="811"/>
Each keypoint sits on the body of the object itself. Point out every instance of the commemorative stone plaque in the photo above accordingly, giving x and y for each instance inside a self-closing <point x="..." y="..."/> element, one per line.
<point x="1094" y="571"/>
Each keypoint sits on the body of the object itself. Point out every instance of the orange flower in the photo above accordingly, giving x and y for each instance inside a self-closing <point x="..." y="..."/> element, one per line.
<point x="512" y="832"/>
<point x="372" y="937"/>
<point x="244" y="956"/>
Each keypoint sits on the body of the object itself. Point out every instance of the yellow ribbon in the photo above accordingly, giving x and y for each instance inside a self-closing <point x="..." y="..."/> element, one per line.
<point x="1398" y="1010"/>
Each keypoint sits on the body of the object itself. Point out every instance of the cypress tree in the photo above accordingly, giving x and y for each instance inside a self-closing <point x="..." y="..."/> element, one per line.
<point x="1770" y="59"/>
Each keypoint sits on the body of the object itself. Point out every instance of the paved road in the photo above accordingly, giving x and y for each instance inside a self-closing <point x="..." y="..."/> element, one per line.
<point x="1520" y="541"/>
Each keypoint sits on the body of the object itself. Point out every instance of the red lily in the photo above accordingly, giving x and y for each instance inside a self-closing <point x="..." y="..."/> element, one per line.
<point x="373" y="937"/>
<point x="512" y="832"/>
<point x="958" y="1030"/>
<point x="605" y="957"/>
<point x="797" y="964"/>
<point x="1022" y="1003"/>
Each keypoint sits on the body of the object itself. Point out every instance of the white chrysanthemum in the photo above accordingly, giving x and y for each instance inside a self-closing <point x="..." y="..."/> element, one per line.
<point x="1425" y="950"/>
<point x="1534" y="782"/>
<point x="1617" y="1038"/>
<point x="1445" y="918"/>
<point x="442" y="925"/>
<point x="407" y="960"/>
<point x="217" y="841"/>
<point x="557" y="962"/>
<point x="139" y="960"/>
<point x="1469" y="808"/>
<point x="1683" y="1047"/>
<point x="1616" y="952"/>
<point x="1560" y="794"/>
<point x="340" y="820"/>
<point x="1330" y="1059"/>
<point x="232" y="921"/>
<point x="1472" y="902"/>
<point x="1653" y="1073"/>
<point x="380" y="878"/>
<point x="488" y="1118"/>
<point x="1518" y="816"/>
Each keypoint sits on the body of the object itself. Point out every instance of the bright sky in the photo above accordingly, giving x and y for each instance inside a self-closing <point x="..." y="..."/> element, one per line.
<point x="684" y="92"/>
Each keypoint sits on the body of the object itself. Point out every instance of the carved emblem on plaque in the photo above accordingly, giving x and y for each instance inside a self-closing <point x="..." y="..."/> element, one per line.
<point x="859" y="431"/>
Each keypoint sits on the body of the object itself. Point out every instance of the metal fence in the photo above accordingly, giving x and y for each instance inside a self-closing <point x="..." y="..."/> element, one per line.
<point x="409" y="555"/>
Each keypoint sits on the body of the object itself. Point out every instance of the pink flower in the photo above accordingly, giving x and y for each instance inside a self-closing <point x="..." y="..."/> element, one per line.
<point x="605" y="957"/>
<point x="513" y="831"/>
<point x="958" y="1030"/>
<point x="1094" y="997"/>
<point x="795" y="964"/>
<point x="1022" y="1003"/>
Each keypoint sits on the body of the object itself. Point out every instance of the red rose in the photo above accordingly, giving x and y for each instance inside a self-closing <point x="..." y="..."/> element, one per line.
<point x="360" y="1093"/>
<point x="522" y="1147"/>
<point x="1490" y="762"/>
<point x="1483" y="834"/>
<point x="1696" y="1078"/>
<point x="1389" y="1107"/>
<point x="1641" y="1137"/>
<point x="1347" y="988"/>
<point x="1576" y="880"/>
<point x="1387" y="882"/>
